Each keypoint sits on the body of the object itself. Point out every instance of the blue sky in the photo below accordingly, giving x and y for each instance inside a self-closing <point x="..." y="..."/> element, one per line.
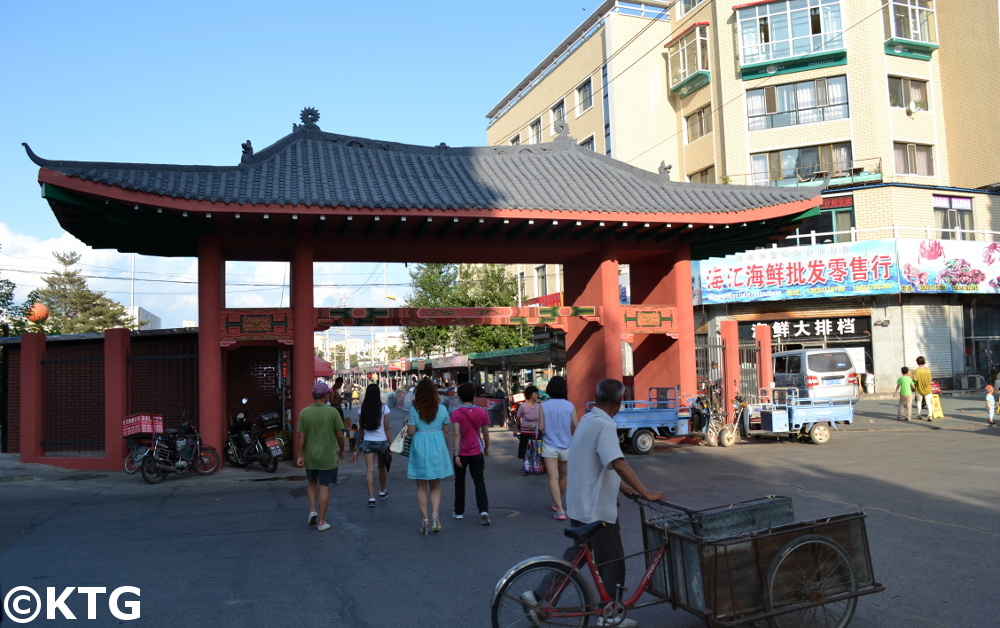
<point x="187" y="82"/>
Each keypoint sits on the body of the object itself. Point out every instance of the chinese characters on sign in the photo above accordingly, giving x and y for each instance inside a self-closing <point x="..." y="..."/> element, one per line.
<point x="805" y="328"/>
<point x="801" y="272"/>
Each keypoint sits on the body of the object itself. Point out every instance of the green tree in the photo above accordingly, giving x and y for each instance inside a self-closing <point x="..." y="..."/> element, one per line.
<point x="466" y="285"/>
<point x="489" y="285"/>
<point x="12" y="315"/>
<point x="434" y="285"/>
<point x="73" y="307"/>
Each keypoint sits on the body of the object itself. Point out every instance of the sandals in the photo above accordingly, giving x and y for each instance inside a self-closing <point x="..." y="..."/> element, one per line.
<point x="437" y="525"/>
<point x="425" y="527"/>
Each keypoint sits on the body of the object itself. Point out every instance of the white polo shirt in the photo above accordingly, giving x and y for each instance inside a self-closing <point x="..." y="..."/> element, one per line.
<point x="592" y="484"/>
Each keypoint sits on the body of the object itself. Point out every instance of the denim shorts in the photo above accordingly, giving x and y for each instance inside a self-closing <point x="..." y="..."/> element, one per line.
<point x="374" y="447"/>
<point x="325" y="477"/>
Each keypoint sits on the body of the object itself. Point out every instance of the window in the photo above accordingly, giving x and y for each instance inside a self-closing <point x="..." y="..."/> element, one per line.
<point x="541" y="281"/>
<point x="914" y="159"/>
<point x="951" y="212"/>
<point x="588" y="143"/>
<point x="521" y="286"/>
<point x="705" y="176"/>
<point x="779" y="30"/>
<point x="699" y="123"/>
<point x="689" y="54"/>
<point x="909" y="19"/>
<point x="584" y="97"/>
<point x="687" y="5"/>
<point x="794" y="165"/>
<point x="558" y="114"/>
<point x="535" y="130"/>
<point x="514" y="141"/>
<point x="904" y="92"/>
<point x="798" y="103"/>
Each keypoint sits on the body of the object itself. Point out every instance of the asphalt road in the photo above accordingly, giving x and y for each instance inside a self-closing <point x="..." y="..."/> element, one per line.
<point x="234" y="549"/>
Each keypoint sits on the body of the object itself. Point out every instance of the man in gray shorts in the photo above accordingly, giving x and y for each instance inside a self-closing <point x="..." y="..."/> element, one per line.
<point x="320" y="443"/>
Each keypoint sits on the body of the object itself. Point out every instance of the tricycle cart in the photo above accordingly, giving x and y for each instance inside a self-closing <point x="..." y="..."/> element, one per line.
<point x="661" y="415"/>
<point x="782" y="412"/>
<point x="751" y="561"/>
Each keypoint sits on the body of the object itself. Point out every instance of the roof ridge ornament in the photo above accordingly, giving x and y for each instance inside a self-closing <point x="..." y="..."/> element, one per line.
<point x="309" y="117"/>
<point x="562" y="131"/>
<point x="665" y="170"/>
<point x="247" y="152"/>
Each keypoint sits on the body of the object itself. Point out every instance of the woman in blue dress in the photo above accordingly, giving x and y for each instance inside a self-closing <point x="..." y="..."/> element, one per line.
<point x="429" y="460"/>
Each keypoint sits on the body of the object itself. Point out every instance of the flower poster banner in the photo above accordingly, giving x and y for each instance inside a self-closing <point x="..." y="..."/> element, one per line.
<point x="800" y="272"/>
<point x="949" y="266"/>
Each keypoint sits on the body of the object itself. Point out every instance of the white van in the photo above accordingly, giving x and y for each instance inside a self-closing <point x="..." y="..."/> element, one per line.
<point x="818" y="373"/>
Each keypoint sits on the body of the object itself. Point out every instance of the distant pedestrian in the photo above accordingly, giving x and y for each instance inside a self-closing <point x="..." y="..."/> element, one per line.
<point x="320" y="443"/>
<point x="429" y="461"/>
<point x="991" y="405"/>
<point x="922" y="378"/>
<point x="904" y="386"/>
<point x="528" y="432"/>
<point x="557" y="421"/>
<point x="374" y="436"/>
<point x="472" y="435"/>
<point x="348" y="394"/>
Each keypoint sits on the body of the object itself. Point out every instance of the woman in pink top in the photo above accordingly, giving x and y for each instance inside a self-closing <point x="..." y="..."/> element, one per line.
<point x="470" y="424"/>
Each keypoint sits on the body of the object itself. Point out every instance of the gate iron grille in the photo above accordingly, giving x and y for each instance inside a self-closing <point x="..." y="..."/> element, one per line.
<point x="749" y="365"/>
<point x="11" y="410"/>
<point x="163" y="378"/>
<point x="73" y="400"/>
<point x="254" y="373"/>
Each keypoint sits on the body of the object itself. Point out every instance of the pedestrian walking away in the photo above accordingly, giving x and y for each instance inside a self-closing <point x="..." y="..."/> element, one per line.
<point x="348" y="394"/>
<point x="991" y="405"/>
<point x="429" y="460"/>
<point x="320" y="443"/>
<point x="557" y="421"/>
<point x="922" y="378"/>
<point x="472" y="436"/>
<point x="374" y="436"/>
<point x="597" y="473"/>
<point x="904" y="386"/>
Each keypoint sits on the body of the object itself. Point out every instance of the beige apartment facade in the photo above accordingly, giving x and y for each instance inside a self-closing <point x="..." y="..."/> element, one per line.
<point x="873" y="99"/>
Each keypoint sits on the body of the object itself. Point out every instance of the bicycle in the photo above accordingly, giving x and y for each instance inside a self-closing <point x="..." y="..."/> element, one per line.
<point x="139" y="446"/>
<point x="732" y="565"/>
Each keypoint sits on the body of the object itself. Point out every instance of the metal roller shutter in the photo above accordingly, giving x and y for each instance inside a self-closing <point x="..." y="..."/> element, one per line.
<point x="927" y="332"/>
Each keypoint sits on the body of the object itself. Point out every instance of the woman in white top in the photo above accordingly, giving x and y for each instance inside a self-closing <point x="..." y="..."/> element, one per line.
<point x="558" y="421"/>
<point x="374" y="435"/>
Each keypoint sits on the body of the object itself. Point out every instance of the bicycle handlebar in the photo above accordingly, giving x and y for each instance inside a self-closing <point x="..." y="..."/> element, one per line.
<point x="642" y="501"/>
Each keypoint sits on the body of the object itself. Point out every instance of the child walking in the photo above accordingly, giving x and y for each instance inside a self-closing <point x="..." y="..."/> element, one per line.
<point x="904" y="386"/>
<point x="991" y="405"/>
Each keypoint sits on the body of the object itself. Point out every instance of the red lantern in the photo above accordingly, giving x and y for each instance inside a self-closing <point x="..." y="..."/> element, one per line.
<point x="38" y="312"/>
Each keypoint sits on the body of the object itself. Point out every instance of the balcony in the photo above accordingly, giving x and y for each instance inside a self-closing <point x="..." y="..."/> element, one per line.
<point x="842" y="174"/>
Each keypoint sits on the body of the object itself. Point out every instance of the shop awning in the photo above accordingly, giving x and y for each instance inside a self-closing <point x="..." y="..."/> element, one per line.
<point x="521" y="357"/>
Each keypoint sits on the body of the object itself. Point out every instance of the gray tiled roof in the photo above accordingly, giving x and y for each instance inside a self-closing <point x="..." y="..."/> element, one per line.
<point x="310" y="167"/>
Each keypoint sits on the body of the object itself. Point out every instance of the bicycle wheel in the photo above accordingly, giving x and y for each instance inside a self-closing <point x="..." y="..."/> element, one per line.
<point x="207" y="462"/>
<point x="561" y="594"/>
<point x="134" y="460"/>
<point x="805" y="573"/>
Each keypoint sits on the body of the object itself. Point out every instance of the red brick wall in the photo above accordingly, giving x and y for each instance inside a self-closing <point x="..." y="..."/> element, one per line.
<point x="12" y="356"/>
<point x="163" y="377"/>
<point x="253" y="372"/>
<point x="73" y="414"/>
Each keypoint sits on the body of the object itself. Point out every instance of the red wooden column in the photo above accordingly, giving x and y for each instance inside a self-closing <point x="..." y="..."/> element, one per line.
<point x="211" y="372"/>
<point x="116" y="348"/>
<point x="765" y="370"/>
<point x="730" y="361"/>
<point x="303" y="323"/>
<point x="659" y="359"/>
<point x="32" y="398"/>
<point x="593" y="349"/>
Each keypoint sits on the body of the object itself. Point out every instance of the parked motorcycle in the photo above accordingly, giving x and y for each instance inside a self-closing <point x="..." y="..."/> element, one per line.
<point x="251" y="442"/>
<point x="178" y="451"/>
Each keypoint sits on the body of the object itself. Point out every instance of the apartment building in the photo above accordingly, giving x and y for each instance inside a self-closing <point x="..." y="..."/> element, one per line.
<point x="872" y="99"/>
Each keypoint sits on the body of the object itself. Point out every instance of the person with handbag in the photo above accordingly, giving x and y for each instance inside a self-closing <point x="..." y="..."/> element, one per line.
<point x="429" y="459"/>
<point x="529" y="430"/>
<point x="471" y="425"/>
<point x="373" y="439"/>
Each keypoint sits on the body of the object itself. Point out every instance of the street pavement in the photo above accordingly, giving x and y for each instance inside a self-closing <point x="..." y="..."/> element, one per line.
<point x="233" y="548"/>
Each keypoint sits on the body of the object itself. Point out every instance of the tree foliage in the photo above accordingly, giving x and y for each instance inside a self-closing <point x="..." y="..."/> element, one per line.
<point x="73" y="307"/>
<point x="14" y="316"/>
<point x="465" y="285"/>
